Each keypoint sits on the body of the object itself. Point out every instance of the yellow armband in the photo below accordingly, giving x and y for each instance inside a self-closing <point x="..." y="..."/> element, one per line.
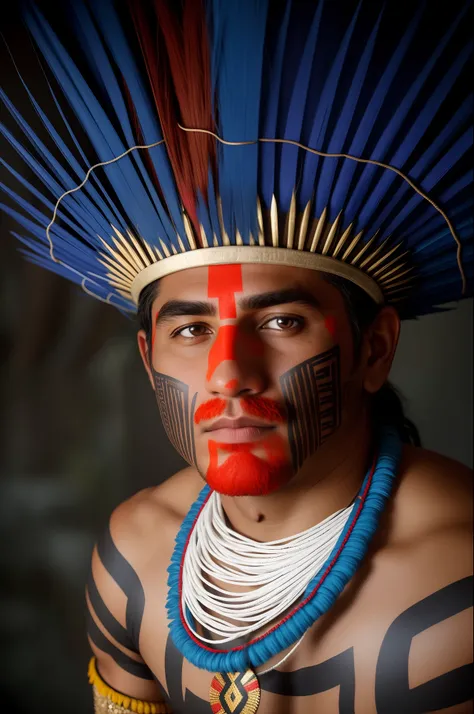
<point x="109" y="701"/>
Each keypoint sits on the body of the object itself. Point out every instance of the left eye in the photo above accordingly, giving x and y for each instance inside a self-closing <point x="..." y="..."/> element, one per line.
<point x="282" y="323"/>
<point x="192" y="330"/>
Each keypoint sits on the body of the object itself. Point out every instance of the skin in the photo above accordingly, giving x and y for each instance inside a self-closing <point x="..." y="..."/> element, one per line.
<point x="402" y="622"/>
<point x="275" y="349"/>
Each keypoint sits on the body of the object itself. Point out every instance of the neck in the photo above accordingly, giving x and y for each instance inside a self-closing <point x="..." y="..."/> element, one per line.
<point x="328" y="481"/>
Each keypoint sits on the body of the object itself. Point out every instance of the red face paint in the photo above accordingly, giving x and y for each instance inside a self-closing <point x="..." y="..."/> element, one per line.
<point x="232" y="384"/>
<point x="244" y="473"/>
<point x="209" y="410"/>
<point x="223" y="282"/>
<point x="330" y="325"/>
<point x="222" y="349"/>
<point x="264" y="408"/>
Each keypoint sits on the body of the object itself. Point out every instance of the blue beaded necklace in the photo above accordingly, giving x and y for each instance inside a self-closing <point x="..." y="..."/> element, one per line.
<point x="321" y="592"/>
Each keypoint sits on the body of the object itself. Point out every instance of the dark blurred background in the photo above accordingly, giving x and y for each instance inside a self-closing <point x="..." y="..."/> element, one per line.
<point x="81" y="432"/>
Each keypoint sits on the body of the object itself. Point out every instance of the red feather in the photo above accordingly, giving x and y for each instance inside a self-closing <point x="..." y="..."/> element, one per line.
<point x="178" y="65"/>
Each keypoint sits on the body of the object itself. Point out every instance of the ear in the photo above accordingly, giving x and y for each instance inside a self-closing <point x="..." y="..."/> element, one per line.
<point x="143" y="349"/>
<point x="379" y="349"/>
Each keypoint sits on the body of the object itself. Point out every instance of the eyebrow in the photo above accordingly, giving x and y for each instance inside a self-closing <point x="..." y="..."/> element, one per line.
<point x="279" y="297"/>
<point x="179" y="308"/>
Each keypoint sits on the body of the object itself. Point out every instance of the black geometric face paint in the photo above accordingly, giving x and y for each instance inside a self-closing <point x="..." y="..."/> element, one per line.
<point x="312" y="393"/>
<point x="177" y="414"/>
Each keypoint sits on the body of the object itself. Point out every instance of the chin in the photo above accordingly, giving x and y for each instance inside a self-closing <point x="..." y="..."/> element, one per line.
<point x="244" y="474"/>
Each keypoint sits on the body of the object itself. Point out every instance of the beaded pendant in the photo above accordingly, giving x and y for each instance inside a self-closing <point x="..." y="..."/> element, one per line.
<point x="234" y="693"/>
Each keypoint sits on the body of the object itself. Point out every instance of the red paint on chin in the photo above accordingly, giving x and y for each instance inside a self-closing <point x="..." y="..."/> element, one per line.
<point x="209" y="410"/>
<point x="245" y="474"/>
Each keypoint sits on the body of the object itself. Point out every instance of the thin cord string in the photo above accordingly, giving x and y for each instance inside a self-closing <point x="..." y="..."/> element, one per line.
<point x="246" y="143"/>
<point x="283" y="660"/>
<point x="324" y="154"/>
<point x="110" y="296"/>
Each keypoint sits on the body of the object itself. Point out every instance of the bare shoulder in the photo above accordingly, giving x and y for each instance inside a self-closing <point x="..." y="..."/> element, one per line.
<point x="433" y="494"/>
<point x="153" y="515"/>
<point x="425" y="534"/>
<point x="431" y="554"/>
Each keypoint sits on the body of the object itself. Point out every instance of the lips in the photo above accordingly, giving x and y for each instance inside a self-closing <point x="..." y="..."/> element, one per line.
<point x="239" y="423"/>
<point x="238" y="431"/>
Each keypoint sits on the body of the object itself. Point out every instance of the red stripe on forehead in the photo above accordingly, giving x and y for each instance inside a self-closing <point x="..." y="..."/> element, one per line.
<point x="223" y="282"/>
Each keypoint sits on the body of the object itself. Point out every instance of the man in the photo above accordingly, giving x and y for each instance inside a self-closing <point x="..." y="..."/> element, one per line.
<point x="312" y="557"/>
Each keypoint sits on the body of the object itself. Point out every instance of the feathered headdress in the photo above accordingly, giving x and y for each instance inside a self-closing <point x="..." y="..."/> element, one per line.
<point x="326" y="135"/>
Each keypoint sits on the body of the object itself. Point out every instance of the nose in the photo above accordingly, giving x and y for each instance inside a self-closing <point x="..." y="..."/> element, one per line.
<point x="234" y="367"/>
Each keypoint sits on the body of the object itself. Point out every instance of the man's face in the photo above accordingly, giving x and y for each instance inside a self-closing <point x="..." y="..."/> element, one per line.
<point x="253" y="371"/>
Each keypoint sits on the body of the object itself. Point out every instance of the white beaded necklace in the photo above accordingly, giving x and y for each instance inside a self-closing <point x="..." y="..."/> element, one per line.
<point x="274" y="574"/>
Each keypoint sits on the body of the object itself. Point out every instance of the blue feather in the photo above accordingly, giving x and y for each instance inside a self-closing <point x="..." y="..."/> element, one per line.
<point x="237" y="72"/>
<point x="368" y="122"/>
<point x="365" y="196"/>
<point x="321" y="121"/>
<point x="270" y="108"/>
<point x="125" y="181"/>
<point x="334" y="79"/>
<point x="113" y="33"/>
<point x="295" y="116"/>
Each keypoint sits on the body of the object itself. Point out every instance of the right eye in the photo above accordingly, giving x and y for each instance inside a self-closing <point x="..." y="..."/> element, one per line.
<point x="195" y="330"/>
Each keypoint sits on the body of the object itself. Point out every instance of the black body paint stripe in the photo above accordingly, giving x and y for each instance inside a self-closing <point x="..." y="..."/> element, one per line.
<point x="337" y="671"/>
<point x="138" y="669"/>
<point x="127" y="579"/>
<point x="391" y="688"/>
<point x="113" y="626"/>
<point x="392" y="691"/>
<point x="174" y="674"/>
<point x="304" y="682"/>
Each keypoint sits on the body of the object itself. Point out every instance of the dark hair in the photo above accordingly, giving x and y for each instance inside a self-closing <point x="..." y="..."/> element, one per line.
<point x="145" y="304"/>
<point x="386" y="405"/>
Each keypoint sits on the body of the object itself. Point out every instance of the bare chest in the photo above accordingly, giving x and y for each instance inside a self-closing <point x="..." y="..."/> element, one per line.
<point x="382" y="647"/>
<point x="358" y="658"/>
<point x="307" y="682"/>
